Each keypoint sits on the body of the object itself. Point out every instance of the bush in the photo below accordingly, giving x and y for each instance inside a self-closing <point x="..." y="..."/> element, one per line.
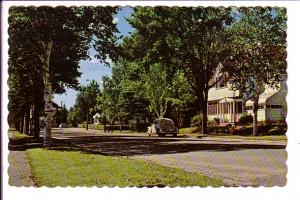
<point x="139" y="127"/>
<point x="213" y="122"/>
<point x="245" y="119"/>
<point x="196" y="120"/>
<point x="217" y="120"/>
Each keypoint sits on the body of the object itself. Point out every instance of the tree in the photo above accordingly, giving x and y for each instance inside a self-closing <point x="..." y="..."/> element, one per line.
<point x="63" y="31"/>
<point x="157" y="89"/>
<point x="182" y="98"/>
<point x="86" y="100"/>
<point x="179" y="37"/>
<point x="73" y="116"/>
<point x="257" y="45"/>
<point x="61" y="115"/>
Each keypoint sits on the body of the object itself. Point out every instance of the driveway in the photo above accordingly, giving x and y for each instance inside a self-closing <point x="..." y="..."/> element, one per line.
<point x="238" y="163"/>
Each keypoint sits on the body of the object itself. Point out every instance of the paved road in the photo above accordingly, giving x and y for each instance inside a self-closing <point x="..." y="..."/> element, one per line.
<point x="238" y="163"/>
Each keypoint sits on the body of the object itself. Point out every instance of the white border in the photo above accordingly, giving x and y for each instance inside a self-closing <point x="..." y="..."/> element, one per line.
<point x="290" y="191"/>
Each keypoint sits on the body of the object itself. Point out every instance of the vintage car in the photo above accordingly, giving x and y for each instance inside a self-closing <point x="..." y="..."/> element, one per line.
<point x="162" y="127"/>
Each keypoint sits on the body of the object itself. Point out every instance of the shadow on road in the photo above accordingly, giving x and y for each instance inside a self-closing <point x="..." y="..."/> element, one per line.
<point x="133" y="145"/>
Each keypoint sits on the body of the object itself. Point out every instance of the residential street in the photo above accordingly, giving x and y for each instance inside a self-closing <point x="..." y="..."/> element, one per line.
<point x="237" y="162"/>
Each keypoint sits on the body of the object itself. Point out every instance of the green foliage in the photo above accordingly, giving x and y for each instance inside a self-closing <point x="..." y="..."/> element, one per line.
<point x="45" y="47"/>
<point x="196" y="121"/>
<point x="61" y="115"/>
<point x="86" y="99"/>
<point x="123" y="93"/>
<point x="245" y="119"/>
<point x="186" y="38"/>
<point x="257" y="45"/>
<point x="74" y="116"/>
<point x="214" y="122"/>
<point x="157" y="89"/>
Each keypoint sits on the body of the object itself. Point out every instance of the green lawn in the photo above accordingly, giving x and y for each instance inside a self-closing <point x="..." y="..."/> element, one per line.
<point x="13" y="134"/>
<point x="65" y="168"/>
<point x="191" y="133"/>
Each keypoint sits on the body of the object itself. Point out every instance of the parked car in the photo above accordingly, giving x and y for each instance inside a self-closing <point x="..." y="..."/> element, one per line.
<point x="162" y="127"/>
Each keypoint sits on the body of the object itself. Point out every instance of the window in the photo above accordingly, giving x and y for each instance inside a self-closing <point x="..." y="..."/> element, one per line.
<point x="226" y="107"/>
<point x="221" y="83"/>
<point x="274" y="106"/>
<point x="212" y="108"/>
<point x="261" y="106"/>
<point x="238" y="107"/>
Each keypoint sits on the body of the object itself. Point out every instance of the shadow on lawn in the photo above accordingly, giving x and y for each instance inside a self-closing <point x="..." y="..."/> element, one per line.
<point x="132" y="145"/>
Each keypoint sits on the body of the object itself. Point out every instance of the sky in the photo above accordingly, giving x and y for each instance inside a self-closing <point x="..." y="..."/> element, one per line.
<point x="93" y="69"/>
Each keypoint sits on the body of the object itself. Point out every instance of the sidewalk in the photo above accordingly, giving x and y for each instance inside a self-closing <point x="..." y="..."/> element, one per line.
<point x="19" y="169"/>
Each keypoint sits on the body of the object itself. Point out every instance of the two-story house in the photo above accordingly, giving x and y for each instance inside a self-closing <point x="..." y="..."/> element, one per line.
<point x="229" y="105"/>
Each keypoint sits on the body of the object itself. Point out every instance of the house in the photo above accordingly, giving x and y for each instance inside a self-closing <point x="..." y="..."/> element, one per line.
<point x="229" y="105"/>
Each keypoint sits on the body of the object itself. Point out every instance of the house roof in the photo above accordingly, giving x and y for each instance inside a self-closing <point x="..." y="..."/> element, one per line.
<point x="262" y="98"/>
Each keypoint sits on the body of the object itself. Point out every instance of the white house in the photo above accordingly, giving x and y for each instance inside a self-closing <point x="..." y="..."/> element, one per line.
<point x="228" y="105"/>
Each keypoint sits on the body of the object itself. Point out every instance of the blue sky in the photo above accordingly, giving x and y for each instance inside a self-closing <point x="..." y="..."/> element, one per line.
<point x="93" y="69"/>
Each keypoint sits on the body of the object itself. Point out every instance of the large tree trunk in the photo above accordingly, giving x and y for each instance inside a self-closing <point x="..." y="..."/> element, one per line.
<point x="203" y="104"/>
<point x="255" y="108"/>
<point x="17" y="123"/>
<point x="21" y="122"/>
<point x="204" y="120"/>
<point x="31" y="121"/>
<point x="26" y="122"/>
<point x="47" y="93"/>
<point x="87" y="120"/>
<point x="36" y="121"/>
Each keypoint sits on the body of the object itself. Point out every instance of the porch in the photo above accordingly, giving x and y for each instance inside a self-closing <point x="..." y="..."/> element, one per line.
<point x="228" y="110"/>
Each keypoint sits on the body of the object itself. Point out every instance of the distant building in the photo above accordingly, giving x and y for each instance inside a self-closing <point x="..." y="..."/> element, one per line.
<point x="96" y="118"/>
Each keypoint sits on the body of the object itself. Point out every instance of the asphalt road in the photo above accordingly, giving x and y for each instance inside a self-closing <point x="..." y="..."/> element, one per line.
<point x="237" y="162"/>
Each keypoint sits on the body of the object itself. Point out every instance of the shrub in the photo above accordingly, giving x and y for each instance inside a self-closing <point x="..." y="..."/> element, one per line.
<point x="196" y="120"/>
<point x="245" y="119"/>
<point x="139" y="127"/>
<point x="217" y="120"/>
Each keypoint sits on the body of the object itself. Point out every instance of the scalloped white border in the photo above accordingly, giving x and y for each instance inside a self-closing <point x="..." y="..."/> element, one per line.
<point x="290" y="191"/>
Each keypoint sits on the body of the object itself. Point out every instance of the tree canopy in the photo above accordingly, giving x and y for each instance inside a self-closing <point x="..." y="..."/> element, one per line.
<point x="257" y="46"/>
<point x="49" y="42"/>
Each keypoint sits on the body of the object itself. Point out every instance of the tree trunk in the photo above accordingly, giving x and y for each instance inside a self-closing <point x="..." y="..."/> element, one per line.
<point x="87" y="120"/>
<point x="31" y="121"/>
<point x="255" y="108"/>
<point x="47" y="93"/>
<point x="36" y="121"/>
<point x="204" y="121"/>
<point x="204" y="111"/>
<point x="21" y="122"/>
<point x="26" y="123"/>
<point x="178" y="117"/>
<point x="120" y="124"/>
<point x="17" y="123"/>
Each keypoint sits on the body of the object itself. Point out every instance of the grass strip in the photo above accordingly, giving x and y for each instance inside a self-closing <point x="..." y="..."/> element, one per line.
<point x="72" y="168"/>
